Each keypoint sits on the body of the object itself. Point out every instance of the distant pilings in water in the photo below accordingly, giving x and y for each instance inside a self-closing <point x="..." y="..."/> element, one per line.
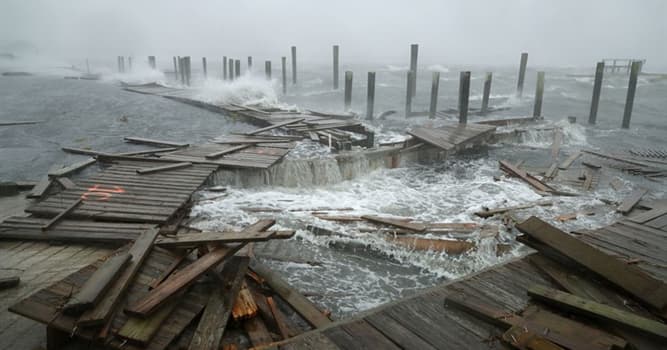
<point x="237" y="69"/>
<point x="231" y="68"/>
<point x="151" y="62"/>
<point x="370" y="96"/>
<point x="283" y="61"/>
<point x="224" y="67"/>
<point x="597" y="89"/>
<point x="464" y="96"/>
<point x="293" y="65"/>
<point x="408" y="94"/>
<point x="175" y="60"/>
<point x="348" y="90"/>
<point x="617" y="65"/>
<point x="121" y="64"/>
<point x="249" y="63"/>
<point x="129" y="63"/>
<point x="204" y="68"/>
<point x="414" y="51"/>
<point x="267" y="70"/>
<point x="522" y="74"/>
<point x="336" y="52"/>
<point x="630" y="98"/>
<point x="435" y="85"/>
<point x="539" y="92"/>
<point x="488" y="78"/>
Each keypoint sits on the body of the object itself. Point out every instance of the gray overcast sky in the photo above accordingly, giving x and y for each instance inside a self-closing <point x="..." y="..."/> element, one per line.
<point x="554" y="32"/>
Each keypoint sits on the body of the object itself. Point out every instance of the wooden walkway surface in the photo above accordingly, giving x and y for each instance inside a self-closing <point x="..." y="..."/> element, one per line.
<point x="453" y="137"/>
<point x="424" y="321"/>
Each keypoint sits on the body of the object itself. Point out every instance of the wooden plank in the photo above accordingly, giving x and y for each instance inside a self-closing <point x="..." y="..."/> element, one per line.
<point x="72" y="168"/>
<point x="491" y="212"/>
<point x="311" y="340"/>
<point x="102" y="311"/>
<point x="431" y="138"/>
<point x="279" y="317"/>
<point x="299" y="303"/>
<point x="168" y="289"/>
<point x="569" y="160"/>
<point x="275" y="126"/>
<point x="62" y="214"/>
<point x="142" y="330"/>
<point x="523" y="339"/>
<point x="93" y="290"/>
<point x="396" y="223"/>
<point x="525" y="176"/>
<point x="193" y="239"/>
<point x="627" y="277"/>
<point x="86" y="152"/>
<point x="631" y="200"/>
<point x="213" y="322"/>
<point x="424" y="244"/>
<point x="232" y="149"/>
<point x="152" y="142"/>
<point x="555" y="146"/>
<point x="396" y="332"/>
<point x="43" y="185"/>
<point x="145" y="171"/>
<point x="9" y="282"/>
<point x="148" y="151"/>
<point x="552" y="171"/>
<point x="359" y="334"/>
<point x="66" y="183"/>
<point x="602" y="312"/>
<point x="257" y="332"/>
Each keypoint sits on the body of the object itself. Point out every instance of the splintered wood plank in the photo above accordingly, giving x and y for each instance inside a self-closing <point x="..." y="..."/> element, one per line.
<point x="442" y="245"/>
<point x="624" y="276"/>
<point x="233" y="149"/>
<point x="72" y="168"/>
<point x="103" y="310"/>
<point x="193" y="239"/>
<point x="631" y="200"/>
<point x="213" y="322"/>
<point x="279" y="317"/>
<point x="142" y="330"/>
<point x="62" y="214"/>
<point x="245" y="306"/>
<point x="521" y="338"/>
<point x="395" y="222"/>
<point x="525" y="176"/>
<point x="145" y="171"/>
<point x="175" y="283"/>
<point x="275" y="126"/>
<point x="95" y="287"/>
<point x="598" y="311"/>
<point x="299" y="303"/>
<point x="257" y="331"/>
<point x="569" y="160"/>
<point x="492" y="212"/>
<point x="145" y="141"/>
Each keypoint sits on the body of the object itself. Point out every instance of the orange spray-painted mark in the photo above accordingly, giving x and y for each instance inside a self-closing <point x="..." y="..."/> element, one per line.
<point x="101" y="194"/>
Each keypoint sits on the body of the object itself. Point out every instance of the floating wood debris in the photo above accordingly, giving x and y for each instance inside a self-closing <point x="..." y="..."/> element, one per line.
<point x="631" y="200"/>
<point x="569" y="160"/>
<point x="441" y="245"/>
<point x="152" y="142"/>
<point x="525" y="176"/>
<point x="486" y="213"/>
<point x="395" y="222"/>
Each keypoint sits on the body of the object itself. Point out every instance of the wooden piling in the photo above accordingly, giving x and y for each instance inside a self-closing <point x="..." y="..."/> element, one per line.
<point x="284" y="66"/>
<point x="336" y="52"/>
<point x="120" y="70"/>
<point x="435" y="85"/>
<point x="348" y="90"/>
<point x="175" y="68"/>
<point x="203" y="63"/>
<point x="414" y="50"/>
<point x="121" y="66"/>
<point x="151" y="61"/>
<point x="464" y="96"/>
<point x="129" y="63"/>
<point x="231" y="68"/>
<point x="370" y="96"/>
<point x="539" y="92"/>
<point x="408" y="94"/>
<point x="237" y="69"/>
<point x="224" y="67"/>
<point x="522" y="74"/>
<point x="249" y="63"/>
<point x="630" y="99"/>
<point x="188" y="70"/>
<point x="267" y="69"/>
<point x="181" y="68"/>
<point x="293" y="65"/>
<point x="488" y="78"/>
<point x="597" y="89"/>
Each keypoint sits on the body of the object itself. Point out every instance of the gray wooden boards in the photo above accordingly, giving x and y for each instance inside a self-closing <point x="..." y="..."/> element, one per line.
<point x="199" y="238"/>
<point x="275" y="126"/>
<point x="95" y="287"/>
<point x="243" y="155"/>
<point x="72" y="168"/>
<point x="157" y="169"/>
<point x="397" y="223"/>
<point x="74" y="231"/>
<point x="630" y="201"/>
<point x="451" y="136"/>
<point x="151" y="142"/>
<point x="118" y="193"/>
<point x="626" y="277"/>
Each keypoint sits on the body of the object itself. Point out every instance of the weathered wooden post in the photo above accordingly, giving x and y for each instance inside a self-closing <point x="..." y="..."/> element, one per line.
<point x="597" y="89"/>
<point x="348" y="90"/>
<point x="151" y="62"/>
<point x="632" y="87"/>
<point x="175" y="68"/>
<point x="408" y="95"/>
<point x="231" y="68"/>
<point x="181" y="69"/>
<point x="335" y="66"/>
<point x="249" y="63"/>
<point x="122" y="64"/>
<point x="188" y="70"/>
<point x="224" y="67"/>
<point x="293" y="65"/>
<point x="267" y="69"/>
<point x="203" y="62"/>
<point x="487" y="92"/>
<point x="464" y="96"/>
<point x="129" y="63"/>
<point x="539" y="92"/>
<point x="414" y="50"/>
<point x="370" y="96"/>
<point x="237" y="69"/>
<point x="284" y="66"/>
<point x="435" y="86"/>
<point x="522" y="74"/>
<point x="118" y="63"/>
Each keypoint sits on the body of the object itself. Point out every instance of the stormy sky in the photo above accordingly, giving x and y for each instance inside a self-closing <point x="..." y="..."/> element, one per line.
<point x="554" y="32"/>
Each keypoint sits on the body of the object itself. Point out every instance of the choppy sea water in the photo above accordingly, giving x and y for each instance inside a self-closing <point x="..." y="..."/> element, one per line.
<point x="353" y="270"/>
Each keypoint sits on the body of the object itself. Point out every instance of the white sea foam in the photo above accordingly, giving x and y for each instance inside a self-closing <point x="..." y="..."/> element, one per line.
<point x="438" y="68"/>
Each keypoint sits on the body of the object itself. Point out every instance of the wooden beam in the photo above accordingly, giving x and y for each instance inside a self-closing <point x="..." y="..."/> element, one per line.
<point x="142" y="330"/>
<point x="602" y="312"/>
<point x="66" y="183"/>
<point x="275" y="126"/>
<point x="94" y="288"/>
<point x="141" y="140"/>
<point x="145" y="171"/>
<point x="103" y="310"/>
<point x="149" y="151"/>
<point x="525" y="176"/>
<point x="175" y="283"/>
<point x="395" y="223"/>
<point x="569" y="160"/>
<point x="9" y="282"/>
<point x="523" y="339"/>
<point x="279" y="317"/>
<point x="491" y="212"/>
<point x="194" y="239"/>
<point x="629" y="278"/>
<point x="257" y="332"/>
<point x="299" y="303"/>
<point x="233" y="149"/>
<point x="62" y="214"/>
<point x="213" y="322"/>
<point x="72" y="168"/>
<point x="630" y="201"/>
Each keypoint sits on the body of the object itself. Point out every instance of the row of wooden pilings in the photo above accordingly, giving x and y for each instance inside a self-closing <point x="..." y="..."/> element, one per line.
<point x="231" y="70"/>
